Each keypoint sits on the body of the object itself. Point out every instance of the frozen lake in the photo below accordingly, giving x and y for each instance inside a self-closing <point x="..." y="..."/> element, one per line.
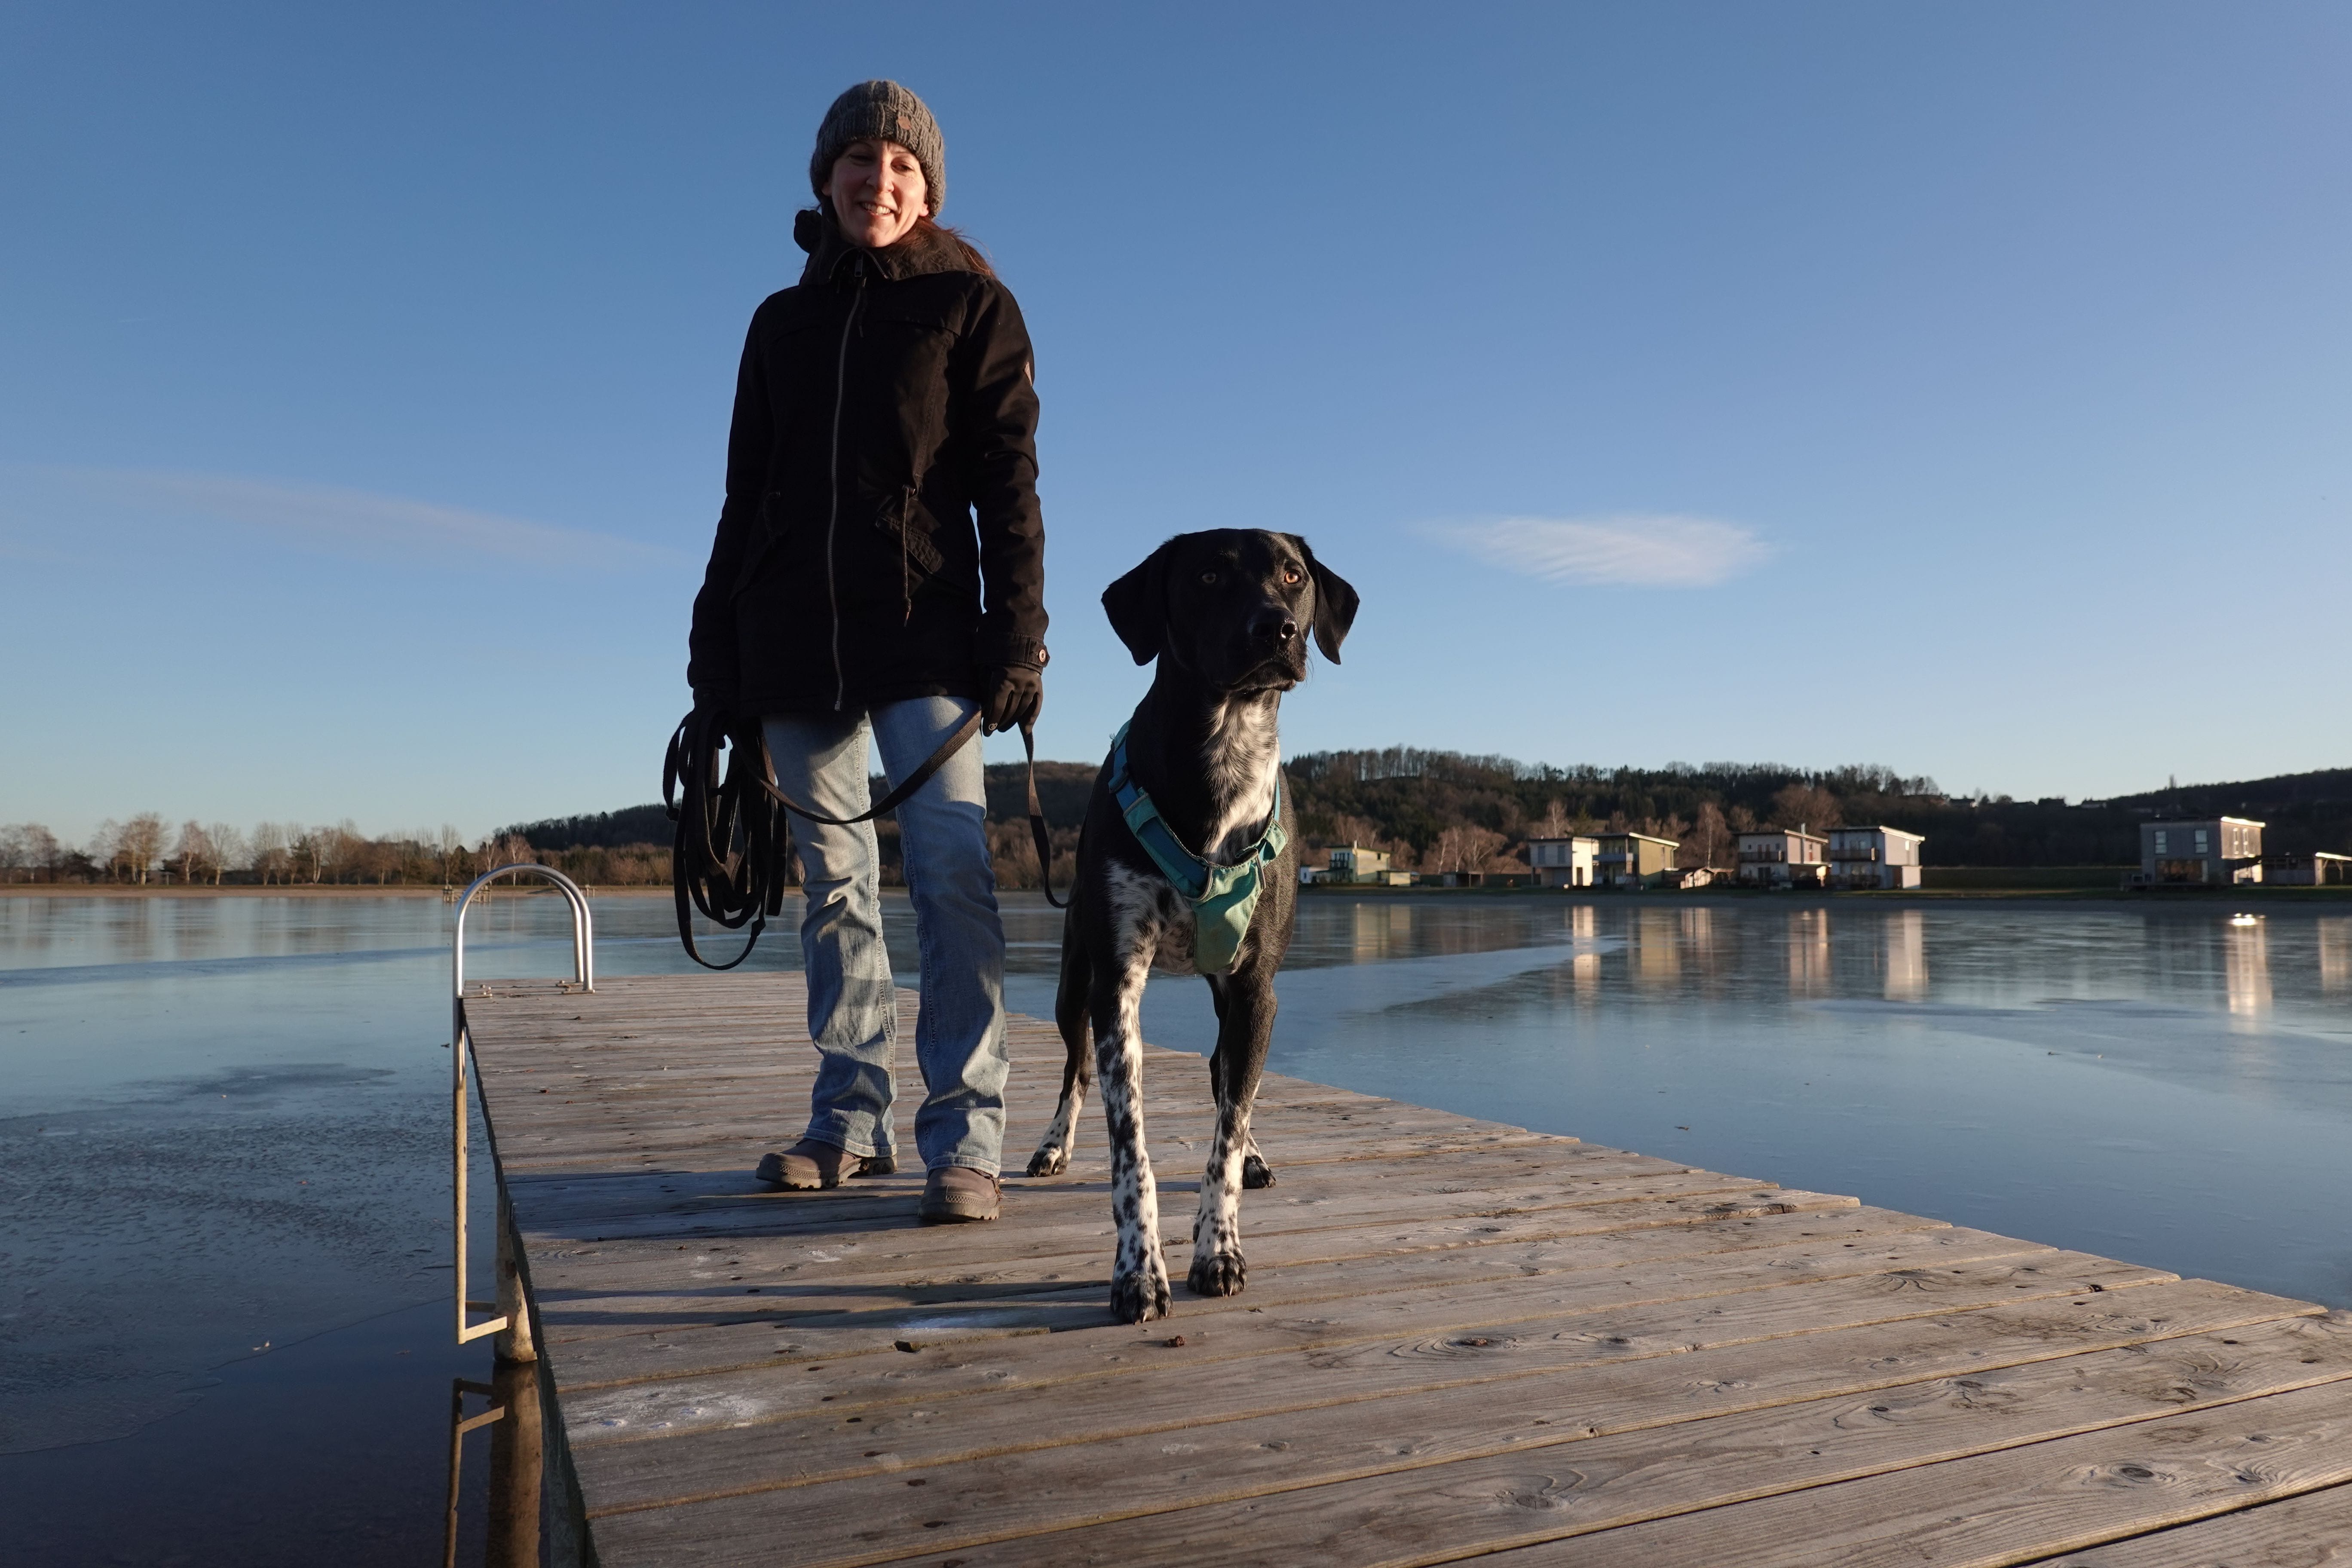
<point x="222" y="1330"/>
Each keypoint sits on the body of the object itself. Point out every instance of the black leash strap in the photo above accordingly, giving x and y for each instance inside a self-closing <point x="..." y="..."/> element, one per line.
<point x="1039" y="833"/>
<point x="727" y="859"/>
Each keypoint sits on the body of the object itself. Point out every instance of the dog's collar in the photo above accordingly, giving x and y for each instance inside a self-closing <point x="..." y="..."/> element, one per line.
<point x="1224" y="898"/>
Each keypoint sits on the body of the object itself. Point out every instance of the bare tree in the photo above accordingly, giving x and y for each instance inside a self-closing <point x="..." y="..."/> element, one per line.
<point x="272" y="852"/>
<point x="14" y="854"/>
<point x="1463" y="848"/>
<point x="228" y="850"/>
<point x="37" y="850"/>
<point x="194" y="852"/>
<point x="447" y="845"/>
<point x="132" y="849"/>
<point x="511" y="849"/>
<point x="1806" y="806"/>
<point x="1708" y="842"/>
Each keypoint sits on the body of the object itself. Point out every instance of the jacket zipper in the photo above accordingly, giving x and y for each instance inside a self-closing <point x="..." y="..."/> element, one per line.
<point x="832" y="520"/>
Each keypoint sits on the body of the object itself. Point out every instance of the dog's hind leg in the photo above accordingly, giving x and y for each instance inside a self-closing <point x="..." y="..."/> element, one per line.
<point x="1245" y="1025"/>
<point x="1070" y="1008"/>
<point x="1138" y="1283"/>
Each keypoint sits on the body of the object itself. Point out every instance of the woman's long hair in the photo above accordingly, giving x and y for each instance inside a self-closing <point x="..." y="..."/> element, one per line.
<point x="973" y="257"/>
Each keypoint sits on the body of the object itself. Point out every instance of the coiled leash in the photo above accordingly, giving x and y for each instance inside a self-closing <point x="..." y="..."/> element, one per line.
<point x="727" y="859"/>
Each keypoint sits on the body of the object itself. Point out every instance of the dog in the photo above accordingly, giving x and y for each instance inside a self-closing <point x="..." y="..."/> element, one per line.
<point x="1191" y="793"/>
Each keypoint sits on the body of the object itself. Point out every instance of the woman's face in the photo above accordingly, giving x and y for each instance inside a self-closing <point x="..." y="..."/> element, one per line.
<point x="878" y="190"/>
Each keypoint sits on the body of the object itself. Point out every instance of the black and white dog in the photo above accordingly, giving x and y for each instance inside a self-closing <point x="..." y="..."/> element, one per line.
<point x="1184" y="862"/>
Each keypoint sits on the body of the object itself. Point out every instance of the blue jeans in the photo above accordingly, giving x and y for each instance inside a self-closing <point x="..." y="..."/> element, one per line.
<point x="853" y="1013"/>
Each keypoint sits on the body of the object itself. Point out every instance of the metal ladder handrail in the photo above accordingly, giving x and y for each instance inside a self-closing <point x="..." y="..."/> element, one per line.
<point x="583" y="965"/>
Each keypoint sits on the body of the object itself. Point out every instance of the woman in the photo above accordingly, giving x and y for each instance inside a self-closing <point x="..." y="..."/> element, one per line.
<point x="879" y="569"/>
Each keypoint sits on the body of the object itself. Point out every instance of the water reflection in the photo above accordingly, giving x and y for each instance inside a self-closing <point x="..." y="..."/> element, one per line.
<point x="1808" y="952"/>
<point x="2245" y="966"/>
<point x="1382" y="930"/>
<point x="1657" y="948"/>
<point x="1905" y="956"/>
<point x="517" y="1465"/>
<point x="2335" y="955"/>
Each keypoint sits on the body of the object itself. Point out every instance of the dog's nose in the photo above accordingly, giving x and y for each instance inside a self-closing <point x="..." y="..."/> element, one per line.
<point x="1274" y="625"/>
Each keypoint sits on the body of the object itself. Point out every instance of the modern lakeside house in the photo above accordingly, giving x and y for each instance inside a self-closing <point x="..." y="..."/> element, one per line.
<point x="1873" y="857"/>
<point x="1562" y="862"/>
<point x="1628" y="860"/>
<point x="2215" y="849"/>
<point x="1783" y="857"/>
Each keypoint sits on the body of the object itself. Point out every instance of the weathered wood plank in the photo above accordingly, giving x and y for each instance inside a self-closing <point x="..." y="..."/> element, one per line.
<point x="2313" y="1530"/>
<point x="582" y="1315"/>
<point x="2008" y="1507"/>
<point x="1415" y="1497"/>
<point x="622" y="1359"/>
<point x="1506" y="1309"/>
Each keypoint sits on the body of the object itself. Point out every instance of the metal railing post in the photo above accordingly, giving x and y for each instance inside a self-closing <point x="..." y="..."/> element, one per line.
<point x="511" y="1322"/>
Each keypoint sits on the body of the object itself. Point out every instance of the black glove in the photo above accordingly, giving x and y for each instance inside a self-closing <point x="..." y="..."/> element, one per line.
<point x="1016" y="695"/>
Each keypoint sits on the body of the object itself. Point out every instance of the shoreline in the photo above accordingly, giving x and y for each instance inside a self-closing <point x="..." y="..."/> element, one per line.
<point x="2258" y="891"/>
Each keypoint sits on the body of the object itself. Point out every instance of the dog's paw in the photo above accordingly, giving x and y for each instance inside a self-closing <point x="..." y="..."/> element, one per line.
<point x="1139" y="1297"/>
<point x="1049" y="1162"/>
<point x="1219" y="1274"/>
<point x="1256" y="1172"/>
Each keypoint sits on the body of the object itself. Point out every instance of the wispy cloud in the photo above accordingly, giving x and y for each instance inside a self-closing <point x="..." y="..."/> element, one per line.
<point x="1636" y="549"/>
<point x="354" y="522"/>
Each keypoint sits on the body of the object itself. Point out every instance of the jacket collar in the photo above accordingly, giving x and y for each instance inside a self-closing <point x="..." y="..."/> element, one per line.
<point x="829" y="253"/>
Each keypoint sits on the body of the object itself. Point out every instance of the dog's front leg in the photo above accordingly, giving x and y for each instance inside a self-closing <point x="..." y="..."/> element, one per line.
<point x="1244" y="1028"/>
<point x="1139" y="1284"/>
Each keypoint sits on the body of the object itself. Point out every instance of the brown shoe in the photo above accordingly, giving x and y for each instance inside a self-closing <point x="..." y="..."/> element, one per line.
<point x="809" y="1165"/>
<point x="957" y="1195"/>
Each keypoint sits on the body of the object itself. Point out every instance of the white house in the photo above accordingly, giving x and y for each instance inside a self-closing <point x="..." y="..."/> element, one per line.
<point x="1562" y="862"/>
<point x="1783" y="857"/>
<point x="1873" y="857"/>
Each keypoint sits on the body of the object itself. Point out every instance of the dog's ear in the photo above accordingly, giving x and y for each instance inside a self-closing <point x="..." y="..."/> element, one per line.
<point x="1335" y="604"/>
<point x="1138" y="605"/>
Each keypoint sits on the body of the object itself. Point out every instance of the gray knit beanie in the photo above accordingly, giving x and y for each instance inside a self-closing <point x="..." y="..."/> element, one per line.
<point x="887" y="109"/>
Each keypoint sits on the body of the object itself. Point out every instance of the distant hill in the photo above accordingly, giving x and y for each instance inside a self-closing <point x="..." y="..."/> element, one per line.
<point x="1409" y="796"/>
<point x="1062" y="790"/>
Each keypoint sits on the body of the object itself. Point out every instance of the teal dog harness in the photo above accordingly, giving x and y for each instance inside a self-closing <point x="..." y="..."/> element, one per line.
<point x="1222" y="896"/>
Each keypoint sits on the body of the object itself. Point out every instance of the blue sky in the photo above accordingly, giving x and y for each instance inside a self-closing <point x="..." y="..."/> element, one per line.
<point x="1960" y="388"/>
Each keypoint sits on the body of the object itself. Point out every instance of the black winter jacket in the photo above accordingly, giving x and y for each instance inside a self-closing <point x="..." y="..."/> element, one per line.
<point x="882" y="403"/>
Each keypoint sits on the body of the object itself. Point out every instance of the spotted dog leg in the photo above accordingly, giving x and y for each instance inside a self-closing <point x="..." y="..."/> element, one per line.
<point x="1218" y="1268"/>
<point x="1139" y="1284"/>
<point x="1054" y="1150"/>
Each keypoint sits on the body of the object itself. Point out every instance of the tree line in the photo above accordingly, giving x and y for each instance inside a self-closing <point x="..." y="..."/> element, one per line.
<point x="146" y="850"/>
<point x="1432" y="811"/>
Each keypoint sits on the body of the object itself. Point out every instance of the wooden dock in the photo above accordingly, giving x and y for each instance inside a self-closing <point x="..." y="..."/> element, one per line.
<point x="1460" y="1338"/>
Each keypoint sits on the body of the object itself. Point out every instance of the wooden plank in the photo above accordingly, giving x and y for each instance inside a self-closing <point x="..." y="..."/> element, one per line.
<point x="2009" y="1506"/>
<point x="625" y="1359"/>
<point x="1381" y="1313"/>
<point x="2313" y="1530"/>
<point x="587" y="1314"/>
<point x="671" y="1195"/>
<point x="1421" y="1503"/>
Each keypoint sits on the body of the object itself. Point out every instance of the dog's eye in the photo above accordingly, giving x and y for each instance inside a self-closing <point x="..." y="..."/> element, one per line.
<point x="1208" y="577"/>
<point x="1290" y="577"/>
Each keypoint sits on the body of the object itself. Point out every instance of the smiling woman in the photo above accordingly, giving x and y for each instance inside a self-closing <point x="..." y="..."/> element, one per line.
<point x="880" y="570"/>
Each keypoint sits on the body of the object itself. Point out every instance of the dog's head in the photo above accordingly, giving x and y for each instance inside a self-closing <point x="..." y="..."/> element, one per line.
<point x="1232" y="605"/>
